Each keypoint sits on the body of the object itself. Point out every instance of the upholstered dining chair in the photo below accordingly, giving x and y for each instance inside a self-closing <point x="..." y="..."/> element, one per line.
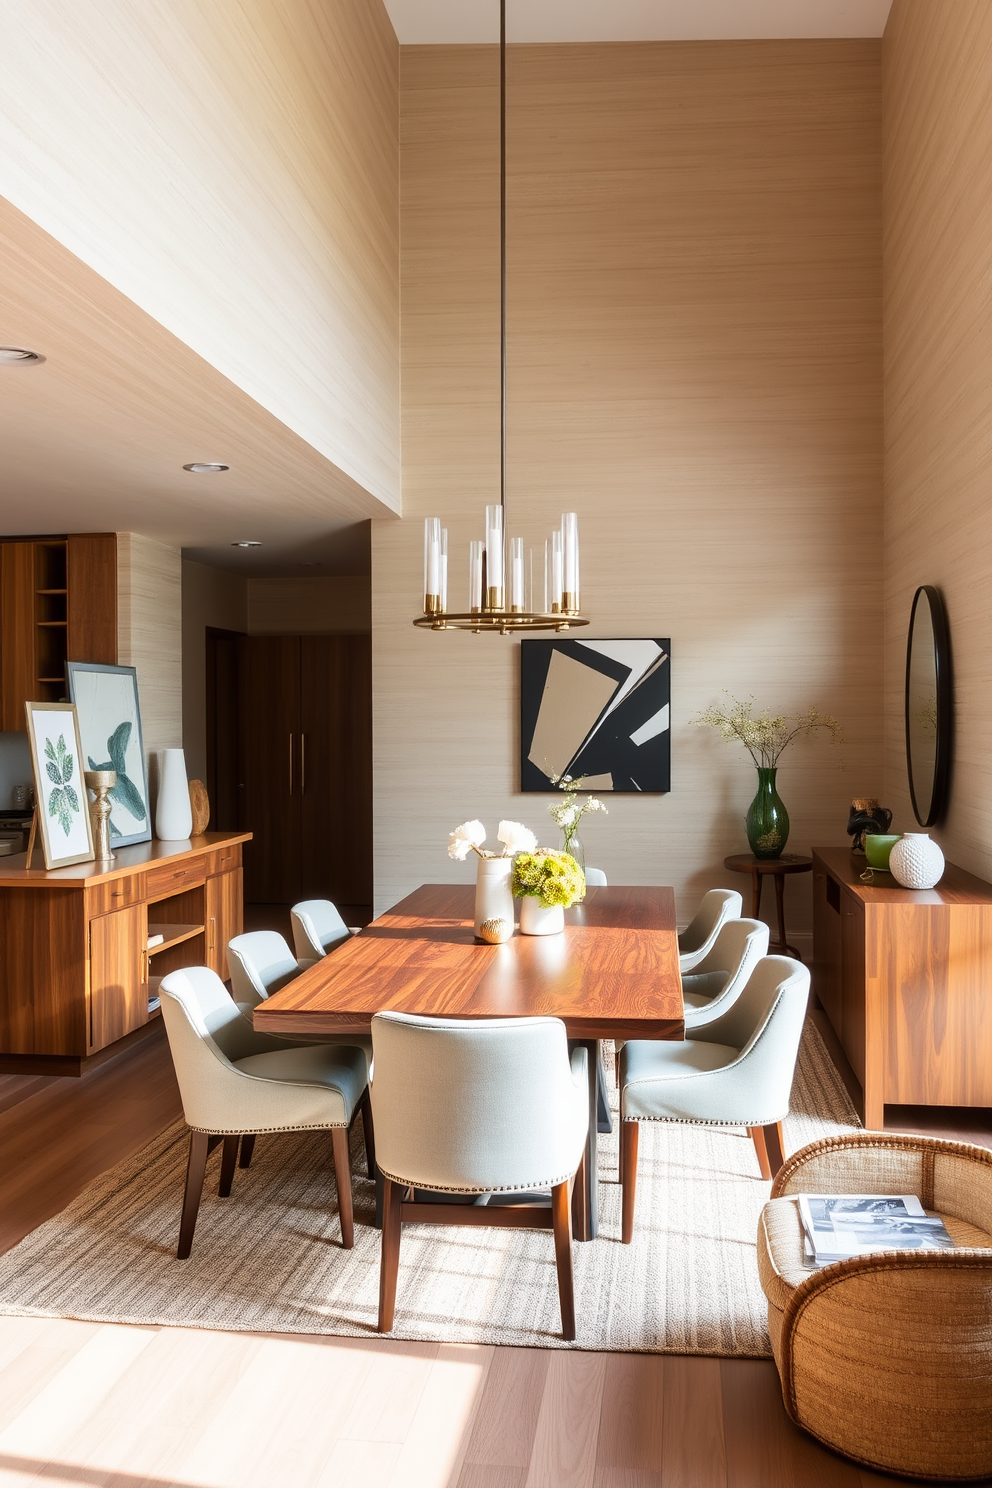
<point x="721" y="976"/>
<point x="716" y="908"/>
<point x="317" y="929"/>
<point x="235" y="1083"/>
<point x="736" y="1071"/>
<point x="492" y="1106"/>
<point x="595" y="878"/>
<point x="261" y="963"/>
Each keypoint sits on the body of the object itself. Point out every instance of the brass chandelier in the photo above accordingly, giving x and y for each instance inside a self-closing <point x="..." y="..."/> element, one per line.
<point x="501" y="580"/>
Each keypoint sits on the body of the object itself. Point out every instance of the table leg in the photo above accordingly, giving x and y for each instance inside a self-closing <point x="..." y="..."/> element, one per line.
<point x="585" y="1195"/>
<point x="757" y="880"/>
<point x="782" y="946"/>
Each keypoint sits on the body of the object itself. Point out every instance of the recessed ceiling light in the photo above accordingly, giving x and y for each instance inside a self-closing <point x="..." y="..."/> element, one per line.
<point x="19" y="356"/>
<point x="200" y="467"/>
<point x="246" y="543"/>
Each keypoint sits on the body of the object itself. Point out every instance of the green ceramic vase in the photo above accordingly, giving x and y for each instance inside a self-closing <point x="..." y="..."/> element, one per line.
<point x="767" y="821"/>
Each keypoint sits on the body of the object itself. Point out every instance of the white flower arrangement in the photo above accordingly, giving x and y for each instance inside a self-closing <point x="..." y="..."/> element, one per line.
<point x="470" y="836"/>
<point x="568" y="812"/>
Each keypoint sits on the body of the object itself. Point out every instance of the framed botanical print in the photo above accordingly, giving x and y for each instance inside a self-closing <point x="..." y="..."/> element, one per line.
<point x="62" y="805"/>
<point x="106" y="699"/>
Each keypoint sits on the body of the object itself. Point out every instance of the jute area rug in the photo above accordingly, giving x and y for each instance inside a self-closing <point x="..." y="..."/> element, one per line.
<point x="269" y="1258"/>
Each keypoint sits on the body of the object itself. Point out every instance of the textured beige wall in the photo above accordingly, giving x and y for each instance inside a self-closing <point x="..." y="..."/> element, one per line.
<point x="937" y="60"/>
<point x="150" y="636"/>
<point x="694" y="365"/>
<point x="232" y="168"/>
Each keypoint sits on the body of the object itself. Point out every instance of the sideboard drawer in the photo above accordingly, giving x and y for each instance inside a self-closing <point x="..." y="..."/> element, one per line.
<point x="167" y="878"/>
<point x="224" y="859"/>
<point x="116" y="893"/>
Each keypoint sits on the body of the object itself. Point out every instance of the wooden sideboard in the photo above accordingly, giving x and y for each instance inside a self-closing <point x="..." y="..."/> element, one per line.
<point x="76" y="970"/>
<point x="905" y="977"/>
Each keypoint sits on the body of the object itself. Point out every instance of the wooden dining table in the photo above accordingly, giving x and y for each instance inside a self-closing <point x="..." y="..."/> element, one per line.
<point x="612" y="974"/>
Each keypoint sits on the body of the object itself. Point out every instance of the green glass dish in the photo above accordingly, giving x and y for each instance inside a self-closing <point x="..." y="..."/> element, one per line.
<point x="877" y="848"/>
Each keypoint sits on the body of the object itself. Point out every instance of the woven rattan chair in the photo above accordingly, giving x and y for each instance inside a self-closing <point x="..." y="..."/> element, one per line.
<point x="887" y="1358"/>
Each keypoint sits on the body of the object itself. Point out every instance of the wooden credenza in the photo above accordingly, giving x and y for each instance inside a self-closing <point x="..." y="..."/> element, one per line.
<point x="905" y="977"/>
<point x="76" y="970"/>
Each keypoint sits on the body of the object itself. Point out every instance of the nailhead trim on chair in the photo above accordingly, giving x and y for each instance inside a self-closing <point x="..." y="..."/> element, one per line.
<point x="257" y="1131"/>
<point x="474" y="1188"/>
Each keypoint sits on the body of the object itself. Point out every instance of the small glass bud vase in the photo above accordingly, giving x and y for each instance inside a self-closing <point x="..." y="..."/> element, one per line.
<point x="538" y="918"/>
<point x="573" y="846"/>
<point x="493" y="897"/>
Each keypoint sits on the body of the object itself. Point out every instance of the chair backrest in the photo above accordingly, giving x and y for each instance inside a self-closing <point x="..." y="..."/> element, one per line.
<point x="470" y="1106"/>
<point x="596" y="878"/>
<point x="260" y="963"/>
<point x="738" y="948"/>
<point x="317" y="929"/>
<point x="718" y="906"/>
<point x="766" y="1024"/>
<point x="206" y="1033"/>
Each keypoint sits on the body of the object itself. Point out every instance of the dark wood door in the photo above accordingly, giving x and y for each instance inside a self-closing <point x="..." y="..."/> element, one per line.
<point x="336" y="771"/>
<point x="269" y="715"/>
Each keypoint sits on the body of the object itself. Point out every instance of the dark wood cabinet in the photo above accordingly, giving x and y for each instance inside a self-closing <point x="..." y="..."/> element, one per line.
<point x="305" y="768"/>
<point x="58" y="601"/>
<point x="904" y="977"/>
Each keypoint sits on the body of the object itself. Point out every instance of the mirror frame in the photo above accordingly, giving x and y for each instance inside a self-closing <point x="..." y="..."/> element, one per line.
<point x="942" y="667"/>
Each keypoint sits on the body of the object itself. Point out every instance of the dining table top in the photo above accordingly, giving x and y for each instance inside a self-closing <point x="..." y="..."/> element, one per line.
<point x="612" y="973"/>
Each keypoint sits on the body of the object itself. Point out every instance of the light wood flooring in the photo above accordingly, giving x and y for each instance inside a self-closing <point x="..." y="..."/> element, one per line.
<point x="133" y="1407"/>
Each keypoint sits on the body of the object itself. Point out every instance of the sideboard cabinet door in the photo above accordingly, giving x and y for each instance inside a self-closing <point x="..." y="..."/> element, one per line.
<point x="118" y="989"/>
<point x="225" y="917"/>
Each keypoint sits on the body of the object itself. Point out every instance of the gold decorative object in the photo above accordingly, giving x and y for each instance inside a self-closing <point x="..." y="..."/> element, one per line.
<point x="101" y="783"/>
<point x="199" y="805"/>
<point x="495" y="932"/>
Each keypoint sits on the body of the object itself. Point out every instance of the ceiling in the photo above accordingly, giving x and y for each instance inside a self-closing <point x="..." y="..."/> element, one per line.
<point x="95" y="437"/>
<point x="461" y="21"/>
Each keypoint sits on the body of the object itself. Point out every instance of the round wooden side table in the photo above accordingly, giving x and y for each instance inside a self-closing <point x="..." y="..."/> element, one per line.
<point x="760" y="869"/>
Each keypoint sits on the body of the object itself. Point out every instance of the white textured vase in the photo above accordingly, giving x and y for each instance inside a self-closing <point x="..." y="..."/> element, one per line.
<point x="916" y="861"/>
<point x="540" y="919"/>
<point x="493" y="897"/>
<point x="173" y="814"/>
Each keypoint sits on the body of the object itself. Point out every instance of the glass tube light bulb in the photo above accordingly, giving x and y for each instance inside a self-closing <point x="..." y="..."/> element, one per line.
<point x="570" y="562"/>
<point x="444" y="569"/>
<point x="552" y="574"/>
<point x="432" y="566"/>
<point x="475" y="551"/>
<point x="495" y="560"/>
<point x="518" y="587"/>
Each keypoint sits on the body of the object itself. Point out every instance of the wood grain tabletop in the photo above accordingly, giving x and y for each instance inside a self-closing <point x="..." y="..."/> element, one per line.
<point x="614" y="973"/>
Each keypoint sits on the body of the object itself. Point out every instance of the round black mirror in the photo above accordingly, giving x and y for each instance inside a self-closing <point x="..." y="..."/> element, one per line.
<point x="928" y="706"/>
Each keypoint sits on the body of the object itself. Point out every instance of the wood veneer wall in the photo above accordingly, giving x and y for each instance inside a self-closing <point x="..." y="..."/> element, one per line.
<point x="695" y="366"/>
<point x="150" y="634"/>
<point x="937" y="64"/>
<point x="232" y="168"/>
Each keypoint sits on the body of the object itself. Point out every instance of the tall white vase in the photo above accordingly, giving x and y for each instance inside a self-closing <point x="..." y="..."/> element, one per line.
<point x="916" y="861"/>
<point x="493" y="897"/>
<point x="173" y="814"/>
<point x="537" y="918"/>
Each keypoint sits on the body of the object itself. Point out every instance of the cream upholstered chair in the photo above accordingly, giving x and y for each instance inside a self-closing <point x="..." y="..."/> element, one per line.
<point x="717" y="907"/>
<point x="236" y="1083"/>
<point x="721" y="976"/>
<point x="908" y="1331"/>
<point x="317" y="929"/>
<point x="260" y="963"/>
<point x="482" y="1107"/>
<point x="595" y="878"/>
<point x="735" y="1071"/>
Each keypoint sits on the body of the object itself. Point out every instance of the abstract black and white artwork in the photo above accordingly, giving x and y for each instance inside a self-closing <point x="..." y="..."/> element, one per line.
<point x="106" y="699"/>
<point x="599" y="709"/>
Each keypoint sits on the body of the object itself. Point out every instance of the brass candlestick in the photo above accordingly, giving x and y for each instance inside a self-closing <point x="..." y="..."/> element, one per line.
<point x="101" y="783"/>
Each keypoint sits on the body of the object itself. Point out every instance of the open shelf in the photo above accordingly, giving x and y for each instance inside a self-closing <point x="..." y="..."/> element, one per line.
<point x="174" y="935"/>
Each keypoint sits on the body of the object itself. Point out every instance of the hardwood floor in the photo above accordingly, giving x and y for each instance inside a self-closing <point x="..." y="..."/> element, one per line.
<point x="111" y="1406"/>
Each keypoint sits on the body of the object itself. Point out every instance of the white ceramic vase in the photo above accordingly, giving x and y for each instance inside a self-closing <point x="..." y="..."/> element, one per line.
<point x="493" y="897"/>
<point x="540" y="919"/>
<point x="916" y="861"/>
<point x="173" y="814"/>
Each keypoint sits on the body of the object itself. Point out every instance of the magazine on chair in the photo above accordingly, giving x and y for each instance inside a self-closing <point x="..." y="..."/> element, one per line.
<point x="838" y="1226"/>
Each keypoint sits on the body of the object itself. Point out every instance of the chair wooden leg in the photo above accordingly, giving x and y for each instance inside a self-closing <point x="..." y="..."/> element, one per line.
<point x="340" y="1147"/>
<point x="368" y="1132"/>
<point x="228" y="1163"/>
<point x="561" y="1214"/>
<point x="757" y="1135"/>
<point x="195" y="1169"/>
<point x="774" y="1147"/>
<point x="392" y="1224"/>
<point x="629" y="1133"/>
<point x="247" y="1148"/>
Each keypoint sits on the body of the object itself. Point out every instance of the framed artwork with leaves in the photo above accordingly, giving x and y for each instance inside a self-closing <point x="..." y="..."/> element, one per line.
<point x="106" y="699"/>
<point x="61" y="800"/>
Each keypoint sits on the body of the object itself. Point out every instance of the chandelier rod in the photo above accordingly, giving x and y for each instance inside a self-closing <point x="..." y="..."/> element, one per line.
<point x="502" y="256"/>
